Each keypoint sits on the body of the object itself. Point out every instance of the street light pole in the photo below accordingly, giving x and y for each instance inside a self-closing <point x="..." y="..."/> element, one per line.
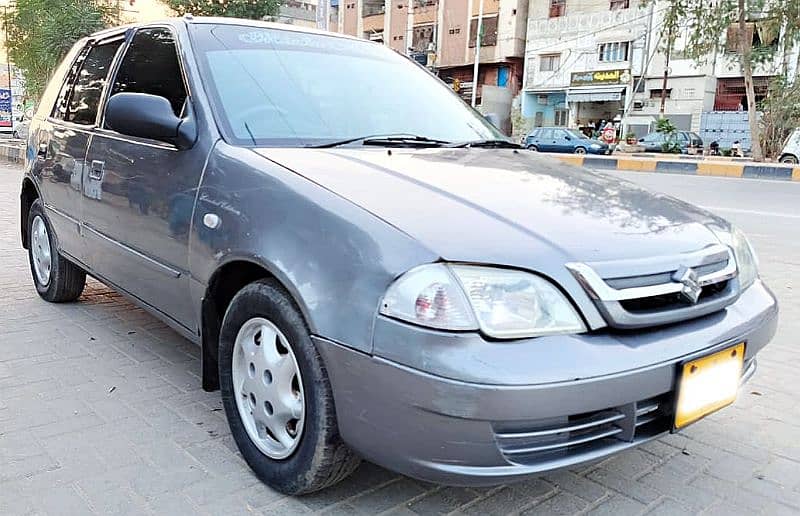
<point x="477" y="54"/>
<point x="8" y="63"/>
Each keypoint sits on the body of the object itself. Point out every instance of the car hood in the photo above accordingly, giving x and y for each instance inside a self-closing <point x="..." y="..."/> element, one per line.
<point x="508" y="207"/>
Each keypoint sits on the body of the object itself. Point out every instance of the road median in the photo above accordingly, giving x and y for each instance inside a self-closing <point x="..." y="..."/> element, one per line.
<point x="674" y="165"/>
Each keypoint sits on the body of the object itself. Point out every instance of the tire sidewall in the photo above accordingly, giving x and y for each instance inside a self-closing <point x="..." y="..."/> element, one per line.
<point x="46" y="291"/>
<point x="262" y="299"/>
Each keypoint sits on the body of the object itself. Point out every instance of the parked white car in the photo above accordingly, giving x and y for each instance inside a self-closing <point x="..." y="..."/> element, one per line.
<point x="791" y="149"/>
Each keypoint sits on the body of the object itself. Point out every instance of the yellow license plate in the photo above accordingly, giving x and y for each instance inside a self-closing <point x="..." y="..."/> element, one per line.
<point x="707" y="384"/>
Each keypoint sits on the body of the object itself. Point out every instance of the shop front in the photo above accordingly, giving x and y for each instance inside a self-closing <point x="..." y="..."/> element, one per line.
<point x="597" y="98"/>
<point x="546" y="108"/>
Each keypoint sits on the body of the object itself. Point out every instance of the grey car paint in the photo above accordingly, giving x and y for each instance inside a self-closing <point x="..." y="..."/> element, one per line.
<point x="337" y="226"/>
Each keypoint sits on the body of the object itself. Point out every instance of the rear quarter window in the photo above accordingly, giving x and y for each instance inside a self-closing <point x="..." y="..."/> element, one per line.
<point x="54" y="86"/>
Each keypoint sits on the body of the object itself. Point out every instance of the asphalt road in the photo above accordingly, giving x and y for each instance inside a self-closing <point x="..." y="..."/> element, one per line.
<point x="101" y="410"/>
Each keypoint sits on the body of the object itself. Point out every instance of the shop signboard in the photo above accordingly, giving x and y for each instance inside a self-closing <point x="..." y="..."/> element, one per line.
<point x="5" y="108"/>
<point x="600" y="78"/>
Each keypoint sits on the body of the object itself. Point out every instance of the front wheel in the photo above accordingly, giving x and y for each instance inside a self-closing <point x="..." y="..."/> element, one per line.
<point x="56" y="279"/>
<point x="277" y="395"/>
<point x="789" y="159"/>
<point x="580" y="150"/>
<point x="533" y="148"/>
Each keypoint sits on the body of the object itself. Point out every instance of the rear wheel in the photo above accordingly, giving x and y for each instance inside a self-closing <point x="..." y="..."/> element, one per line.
<point x="580" y="150"/>
<point x="56" y="279"/>
<point x="789" y="159"/>
<point x="533" y="148"/>
<point x="277" y="395"/>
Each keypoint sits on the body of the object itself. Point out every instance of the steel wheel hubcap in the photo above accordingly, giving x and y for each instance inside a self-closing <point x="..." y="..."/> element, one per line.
<point x="40" y="249"/>
<point x="268" y="388"/>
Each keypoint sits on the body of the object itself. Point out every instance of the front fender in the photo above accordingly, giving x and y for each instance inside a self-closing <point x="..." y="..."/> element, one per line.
<point x="335" y="258"/>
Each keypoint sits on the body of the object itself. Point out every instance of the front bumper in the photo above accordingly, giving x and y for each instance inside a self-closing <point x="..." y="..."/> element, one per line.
<point x="467" y="413"/>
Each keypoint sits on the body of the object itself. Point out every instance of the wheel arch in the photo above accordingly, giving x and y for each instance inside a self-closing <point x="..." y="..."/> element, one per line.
<point x="27" y="196"/>
<point x="225" y="282"/>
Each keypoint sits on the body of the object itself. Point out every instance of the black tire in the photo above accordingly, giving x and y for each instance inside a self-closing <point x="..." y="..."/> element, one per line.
<point x="321" y="458"/>
<point x="580" y="150"/>
<point x="789" y="159"/>
<point x="66" y="279"/>
<point x="533" y="148"/>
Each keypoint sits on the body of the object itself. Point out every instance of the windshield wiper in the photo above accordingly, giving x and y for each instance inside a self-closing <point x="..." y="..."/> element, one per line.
<point x="486" y="144"/>
<point x="389" y="140"/>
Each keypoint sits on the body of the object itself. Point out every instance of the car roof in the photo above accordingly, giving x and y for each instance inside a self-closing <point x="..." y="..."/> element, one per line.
<point x="211" y="20"/>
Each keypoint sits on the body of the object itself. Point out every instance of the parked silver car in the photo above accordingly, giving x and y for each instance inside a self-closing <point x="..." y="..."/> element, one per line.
<point x="371" y="269"/>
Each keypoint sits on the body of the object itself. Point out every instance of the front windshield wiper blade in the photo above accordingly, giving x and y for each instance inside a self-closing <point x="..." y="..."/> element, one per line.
<point x="486" y="144"/>
<point x="389" y="140"/>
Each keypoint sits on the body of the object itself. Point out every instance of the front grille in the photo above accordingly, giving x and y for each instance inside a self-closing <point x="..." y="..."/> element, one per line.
<point x="651" y="304"/>
<point x="648" y="292"/>
<point x="526" y="443"/>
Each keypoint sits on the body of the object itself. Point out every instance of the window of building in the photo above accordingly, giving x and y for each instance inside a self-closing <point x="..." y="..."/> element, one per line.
<point x="619" y="4"/>
<point x="549" y="62"/>
<point x="614" y="52"/>
<point x="151" y="66"/>
<point x="423" y="37"/>
<point x="656" y="94"/>
<point x="81" y="105"/>
<point x="488" y="29"/>
<point x="562" y="116"/>
<point x="557" y="8"/>
<point x="760" y="34"/>
<point x="538" y="119"/>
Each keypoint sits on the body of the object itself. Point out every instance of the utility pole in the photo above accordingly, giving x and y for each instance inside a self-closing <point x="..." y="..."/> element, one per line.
<point x="410" y="28"/>
<point x="670" y="42"/>
<point x="478" y="41"/>
<point x="323" y="18"/>
<point x="8" y="67"/>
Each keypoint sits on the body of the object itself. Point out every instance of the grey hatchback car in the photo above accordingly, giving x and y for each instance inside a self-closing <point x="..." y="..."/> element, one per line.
<point x="371" y="270"/>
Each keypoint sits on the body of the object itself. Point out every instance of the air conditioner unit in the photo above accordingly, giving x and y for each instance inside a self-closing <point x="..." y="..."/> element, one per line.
<point x="638" y="104"/>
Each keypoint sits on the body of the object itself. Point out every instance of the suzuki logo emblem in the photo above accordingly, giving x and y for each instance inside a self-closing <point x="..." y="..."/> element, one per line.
<point x="691" y="286"/>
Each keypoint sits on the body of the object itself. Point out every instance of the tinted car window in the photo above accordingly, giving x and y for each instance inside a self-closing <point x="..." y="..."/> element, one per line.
<point x="151" y="66"/>
<point x="89" y="82"/>
<point x="279" y="87"/>
<point x="546" y="134"/>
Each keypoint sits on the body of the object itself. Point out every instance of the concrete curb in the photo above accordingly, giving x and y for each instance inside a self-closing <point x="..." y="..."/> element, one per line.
<point x="751" y="170"/>
<point x="12" y="152"/>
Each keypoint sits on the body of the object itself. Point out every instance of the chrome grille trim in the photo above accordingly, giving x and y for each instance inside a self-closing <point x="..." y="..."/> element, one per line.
<point x="651" y="296"/>
<point x="599" y="290"/>
<point x="601" y="428"/>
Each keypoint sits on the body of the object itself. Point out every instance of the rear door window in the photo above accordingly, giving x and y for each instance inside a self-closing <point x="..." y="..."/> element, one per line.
<point x="79" y="105"/>
<point x="545" y="134"/>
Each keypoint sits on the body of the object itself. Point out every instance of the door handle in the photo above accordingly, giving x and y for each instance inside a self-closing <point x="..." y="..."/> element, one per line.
<point x="96" y="172"/>
<point x="42" y="152"/>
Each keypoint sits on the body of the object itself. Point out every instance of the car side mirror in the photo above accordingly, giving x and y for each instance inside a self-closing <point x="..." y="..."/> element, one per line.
<point x="641" y="139"/>
<point x="150" y="116"/>
<point x="567" y="138"/>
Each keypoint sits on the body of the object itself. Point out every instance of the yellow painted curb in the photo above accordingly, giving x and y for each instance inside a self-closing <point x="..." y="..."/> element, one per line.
<point x="640" y="165"/>
<point x="796" y="174"/>
<point x="573" y="160"/>
<point x="720" y="169"/>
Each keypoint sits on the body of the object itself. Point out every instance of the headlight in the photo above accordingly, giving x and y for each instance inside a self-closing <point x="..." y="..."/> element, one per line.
<point x="596" y="146"/>
<point x="746" y="260"/>
<point x="501" y="303"/>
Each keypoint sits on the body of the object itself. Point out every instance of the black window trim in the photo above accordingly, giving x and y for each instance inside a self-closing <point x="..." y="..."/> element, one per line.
<point x="78" y="61"/>
<point x="99" y="128"/>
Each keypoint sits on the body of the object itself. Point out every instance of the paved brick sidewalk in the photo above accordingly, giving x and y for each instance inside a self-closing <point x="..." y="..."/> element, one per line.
<point x="101" y="411"/>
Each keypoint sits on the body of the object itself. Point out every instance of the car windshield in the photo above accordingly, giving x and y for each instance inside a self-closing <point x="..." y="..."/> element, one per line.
<point x="277" y="87"/>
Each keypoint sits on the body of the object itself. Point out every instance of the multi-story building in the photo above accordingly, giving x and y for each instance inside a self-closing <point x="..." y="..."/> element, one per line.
<point x="592" y="60"/>
<point x="443" y="34"/>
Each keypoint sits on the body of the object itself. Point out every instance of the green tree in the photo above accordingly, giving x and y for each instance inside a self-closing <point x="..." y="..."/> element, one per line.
<point x="40" y="32"/>
<point x="253" y="9"/>
<point x="754" y="26"/>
